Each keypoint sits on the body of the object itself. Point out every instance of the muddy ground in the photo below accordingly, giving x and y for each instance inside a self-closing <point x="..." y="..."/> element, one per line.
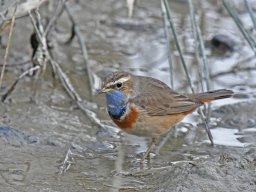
<point x="49" y="144"/>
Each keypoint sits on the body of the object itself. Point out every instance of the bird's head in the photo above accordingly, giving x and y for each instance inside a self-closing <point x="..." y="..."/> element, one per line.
<point x="118" y="82"/>
<point x="118" y="88"/>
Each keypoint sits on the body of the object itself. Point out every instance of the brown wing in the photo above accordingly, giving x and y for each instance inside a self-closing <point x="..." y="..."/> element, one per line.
<point x="157" y="99"/>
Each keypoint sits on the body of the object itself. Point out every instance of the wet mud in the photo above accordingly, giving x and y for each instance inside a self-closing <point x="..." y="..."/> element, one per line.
<point x="49" y="144"/>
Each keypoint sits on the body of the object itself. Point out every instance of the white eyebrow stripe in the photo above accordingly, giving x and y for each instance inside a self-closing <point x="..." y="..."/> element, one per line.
<point x="123" y="79"/>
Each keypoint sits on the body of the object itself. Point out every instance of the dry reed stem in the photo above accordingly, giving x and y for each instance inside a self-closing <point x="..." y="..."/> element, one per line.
<point x="7" y="50"/>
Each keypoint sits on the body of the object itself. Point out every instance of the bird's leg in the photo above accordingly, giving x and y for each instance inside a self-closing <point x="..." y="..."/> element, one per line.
<point x="150" y="147"/>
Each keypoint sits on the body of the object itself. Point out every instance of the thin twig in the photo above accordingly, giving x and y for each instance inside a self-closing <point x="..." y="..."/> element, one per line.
<point x="11" y="89"/>
<point x="201" y="58"/>
<point x="66" y="82"/>
<point x="38" y="33"/>
<point x="251" y="13"/>
<point x="233" y="13"/>
<point x="82" y="104"/>
<point x="199" y="46"/>
<point x="7" y="50"/>
<point x="53" y="19"/>
<point x="130" y="5"/>
<point x="195" y="35"/>
<point x="68" y="160"/>
<point x="81" y="41"/>
<point x="168" y="47"/>
<point x="166" y="6"/>
<point x="185" y="67"/>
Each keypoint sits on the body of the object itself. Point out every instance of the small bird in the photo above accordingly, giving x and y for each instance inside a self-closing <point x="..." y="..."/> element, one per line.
<point x="147" y="107"/>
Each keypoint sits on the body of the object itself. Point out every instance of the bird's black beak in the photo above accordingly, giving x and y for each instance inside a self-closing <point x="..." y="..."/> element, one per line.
<point x="103" y="90"/>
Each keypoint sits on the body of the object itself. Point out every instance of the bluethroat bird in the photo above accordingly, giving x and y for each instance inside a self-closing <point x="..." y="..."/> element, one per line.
<point x="147" y="107"/>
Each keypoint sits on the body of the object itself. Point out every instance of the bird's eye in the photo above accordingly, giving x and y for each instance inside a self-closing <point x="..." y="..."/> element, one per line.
<point x="119" y="85"/>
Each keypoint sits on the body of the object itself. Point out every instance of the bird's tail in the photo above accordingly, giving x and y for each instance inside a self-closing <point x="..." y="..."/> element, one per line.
<point x="211" y="95"/>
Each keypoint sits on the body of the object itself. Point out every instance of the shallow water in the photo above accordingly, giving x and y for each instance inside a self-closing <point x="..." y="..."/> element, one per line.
<point x="50" y="145"/>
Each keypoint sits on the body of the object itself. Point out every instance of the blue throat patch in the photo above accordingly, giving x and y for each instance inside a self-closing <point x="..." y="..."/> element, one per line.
<point x="116" y="103"/>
